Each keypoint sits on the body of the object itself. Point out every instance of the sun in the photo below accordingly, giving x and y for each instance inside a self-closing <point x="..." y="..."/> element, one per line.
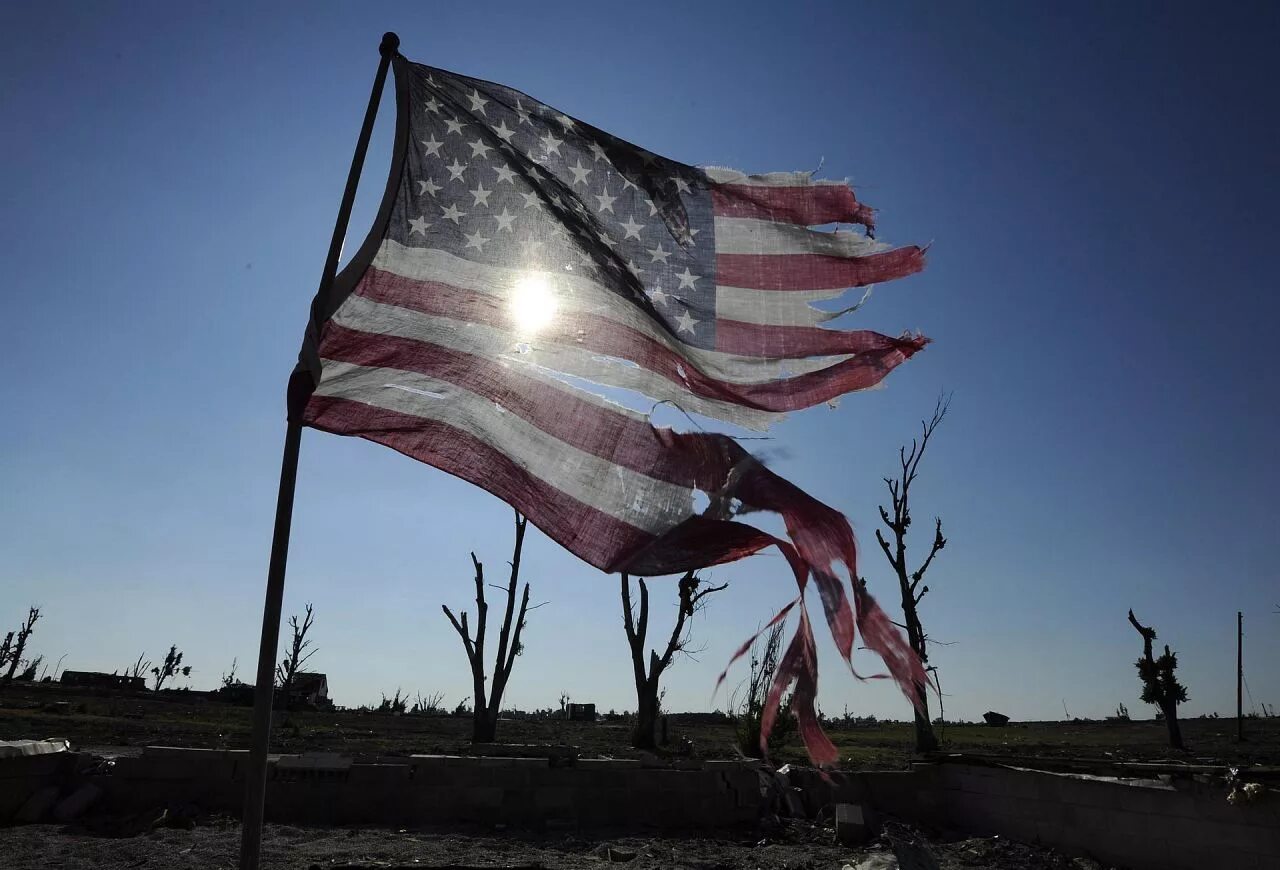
<point x="533" y="304"/>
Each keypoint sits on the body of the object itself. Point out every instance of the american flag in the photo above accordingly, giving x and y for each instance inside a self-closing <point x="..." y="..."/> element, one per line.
<point x="524" y="259"/>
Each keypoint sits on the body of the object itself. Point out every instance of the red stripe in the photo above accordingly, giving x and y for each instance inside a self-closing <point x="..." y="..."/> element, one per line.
<point x="599" y="431"/>
<point x="790" y="342"/>
<point x="815" y="271"/>
<point x="604" y="336"/>
<point x="592" y="535"/>
<point x="809" y="206"/>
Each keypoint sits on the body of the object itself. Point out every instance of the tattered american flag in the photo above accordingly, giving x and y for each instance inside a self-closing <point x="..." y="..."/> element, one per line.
<point x="523" y="259"/>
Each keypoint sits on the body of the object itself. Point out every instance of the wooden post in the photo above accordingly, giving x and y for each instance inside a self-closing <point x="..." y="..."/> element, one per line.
<point x="264" y="688"/>
<point x="1239" y="675"/>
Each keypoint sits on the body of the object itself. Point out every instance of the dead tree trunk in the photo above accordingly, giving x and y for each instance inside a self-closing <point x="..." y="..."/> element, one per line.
<point x="1159" y="685"/>
<point x="484" y="714"/>
<point x="13" y="649"/>
<point x="647" y="681"/>
<point x="297" y="656"/>
<point x="909" y="581"/>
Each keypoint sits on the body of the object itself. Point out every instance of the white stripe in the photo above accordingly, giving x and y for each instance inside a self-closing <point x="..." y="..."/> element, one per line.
<point x="720" y="175"/>
<point x="654" y="506"/>
<point x="750" y="236"/>
<point x="578" y="294"/>
<point x="781" y="308"/>
<point x="503" y="346"/>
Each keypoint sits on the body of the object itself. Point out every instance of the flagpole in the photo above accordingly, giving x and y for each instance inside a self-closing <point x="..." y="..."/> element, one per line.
<point x="264" y="688"/>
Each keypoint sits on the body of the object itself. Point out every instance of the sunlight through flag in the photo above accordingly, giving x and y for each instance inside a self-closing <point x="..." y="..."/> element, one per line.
<point x="519" y="248"/>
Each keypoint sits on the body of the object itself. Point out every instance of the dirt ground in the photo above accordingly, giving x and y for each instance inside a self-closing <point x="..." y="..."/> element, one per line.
<point x="215" y="843"/>
<point x="118" y="723"/>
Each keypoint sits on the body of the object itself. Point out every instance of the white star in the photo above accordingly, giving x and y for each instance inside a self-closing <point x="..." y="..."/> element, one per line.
<point x="551" y="144"/>
<point x="633" y="268"/>
<point x="531" y="199"/>
<point x="681" y="184"/>
<point x="455" y="170"/>
<point x="693" y="234"/>
<point x="554" y="199"/>
<point x="503" y="133"/>
<point x="433" y="106"/>
<point x="580" y="172"/>
<point x="504" y="220"/>
<point x="538" y="174"/>
<point x="454" y="125"/>
<point x="597" y="150"/>
<point x="428" y="186"/>
<point x="432" y="146"/>
<point x="653" y="209"/>
<point x="658" y="254"/>
<point x="482" y="196"/>
<point x="522" y="115"/>
<point x="565" y="121"/>
<point x="505" y="173"/>
<point x="628" y="184"/>
<point x="418" y="225"/>
<point x="687" y="279"/>
<point x="685" y="323"/>
<point x="657" y="296"/>
<point x="606" y="201"/>
<point x="632" y="228"/>
<point x="479" y="148"/>
<point x="453" y="214"/>
<point x="475" y="240"/>
<point x="478" y="104"/>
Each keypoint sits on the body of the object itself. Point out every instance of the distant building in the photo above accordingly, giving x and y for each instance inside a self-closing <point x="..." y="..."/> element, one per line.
<point x="582" y="712"/>
<point x="309" y="690"/>
<point x="96" y="680"/>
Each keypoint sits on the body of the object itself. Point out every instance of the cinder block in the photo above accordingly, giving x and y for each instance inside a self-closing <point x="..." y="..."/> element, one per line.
<point x="852" y="825"/>
<point x="553" y="799"/>
<point x="378" y="773"/>
<point x="481" y="797"/>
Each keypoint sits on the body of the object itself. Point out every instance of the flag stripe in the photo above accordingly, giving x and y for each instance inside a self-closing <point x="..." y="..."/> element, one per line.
<point x="608" y="337"/>
<point x="405" y="389"/>
<point x="587" y="532"/>
<point x="430" y="267"/>
<point x="872" y="349"/>
<point x="396" y="315"/>
<point x="808" y="206"/>
<point x="749" y="236"/>
<point x="562" y="411"/>
<point x="771" y="308"/>
<point x="815" y="272"/>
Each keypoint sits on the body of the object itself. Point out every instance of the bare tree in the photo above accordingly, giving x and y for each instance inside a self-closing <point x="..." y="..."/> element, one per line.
<point x="484" y="715"/>
<point x="909" y="581"/>
<point x="139" y="669"/>
<point x="15" y="645"/>
<point x="749" y="712"/>
<point x="692" y="597"/>
<point x="171" y="667"/>
<point x="1159" y="685"/>
<point x="299" y="653"/>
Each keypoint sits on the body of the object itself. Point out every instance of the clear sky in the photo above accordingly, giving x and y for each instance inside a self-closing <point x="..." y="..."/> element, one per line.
<point x="1099" y="183"/>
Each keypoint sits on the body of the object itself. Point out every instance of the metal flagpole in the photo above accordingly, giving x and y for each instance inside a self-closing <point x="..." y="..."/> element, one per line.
<point x="256" y="777"/>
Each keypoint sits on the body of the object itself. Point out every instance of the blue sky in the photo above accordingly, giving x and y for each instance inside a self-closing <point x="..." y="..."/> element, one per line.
<point x="1099" y="185"/>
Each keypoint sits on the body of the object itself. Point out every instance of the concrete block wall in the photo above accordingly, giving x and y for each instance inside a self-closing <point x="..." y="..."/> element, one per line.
<point x="426" y="789"/>
<point x="1140" y="825"/>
